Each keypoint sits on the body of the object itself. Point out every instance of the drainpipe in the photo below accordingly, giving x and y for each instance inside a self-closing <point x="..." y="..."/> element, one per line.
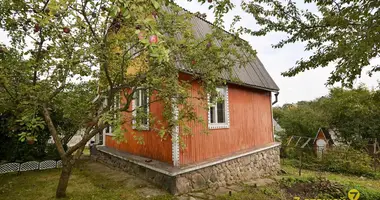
<point x="276" y="96"/>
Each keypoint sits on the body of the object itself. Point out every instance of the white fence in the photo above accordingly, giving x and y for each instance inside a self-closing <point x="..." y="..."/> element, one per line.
<point x="29" y="166"/>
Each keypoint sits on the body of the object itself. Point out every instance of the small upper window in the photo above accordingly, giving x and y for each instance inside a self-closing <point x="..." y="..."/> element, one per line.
<point x="218" y="114"/>
<point x="140" y="109"/>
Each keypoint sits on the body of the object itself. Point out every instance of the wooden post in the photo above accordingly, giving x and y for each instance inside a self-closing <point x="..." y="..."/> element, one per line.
<point x="300" y="169"/>
<point x="375" y="147"/>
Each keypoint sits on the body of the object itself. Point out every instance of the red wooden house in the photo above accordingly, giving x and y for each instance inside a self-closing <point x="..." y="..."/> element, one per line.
<point x="240" y="144"/>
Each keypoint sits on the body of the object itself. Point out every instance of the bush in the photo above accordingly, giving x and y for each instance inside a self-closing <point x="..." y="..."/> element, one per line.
<point x="12" y="149"/>
<point x="347" y="161"/>
<point x="334" y="160"/>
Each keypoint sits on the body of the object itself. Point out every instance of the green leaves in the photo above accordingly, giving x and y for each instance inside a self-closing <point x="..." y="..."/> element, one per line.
<point x="353" y="114"/>
<point x="341" y="33"/>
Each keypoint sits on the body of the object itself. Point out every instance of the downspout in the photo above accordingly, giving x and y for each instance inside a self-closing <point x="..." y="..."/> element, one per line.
<point x="276" y="96"/>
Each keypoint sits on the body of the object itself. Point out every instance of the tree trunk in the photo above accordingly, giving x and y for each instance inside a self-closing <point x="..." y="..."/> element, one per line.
<point x="64" y="179"/>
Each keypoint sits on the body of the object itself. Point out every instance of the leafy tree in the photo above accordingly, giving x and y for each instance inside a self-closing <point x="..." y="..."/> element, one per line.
<point x="79" y="56"/>
<point x="354" y="115"/>
<point x="342" y="33"/>
<point x="300" y="119"/>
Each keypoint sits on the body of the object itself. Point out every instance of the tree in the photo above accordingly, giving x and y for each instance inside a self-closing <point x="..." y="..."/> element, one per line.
<point x="353" y="114"/>
<point x="79" y="56"/>
<point x="301" y="119"/>
<point x="343" y="33"/>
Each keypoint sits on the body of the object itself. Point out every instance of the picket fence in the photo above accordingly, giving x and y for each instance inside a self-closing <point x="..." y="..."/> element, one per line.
<point x="29" y="166"/>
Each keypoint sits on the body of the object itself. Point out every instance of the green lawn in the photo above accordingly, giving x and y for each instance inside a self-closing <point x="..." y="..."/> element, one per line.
<point x="92" y="180"/>
<point x="89" y="181"/>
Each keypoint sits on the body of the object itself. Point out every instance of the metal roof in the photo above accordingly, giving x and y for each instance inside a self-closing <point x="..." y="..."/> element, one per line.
<point x="253" y="75"/>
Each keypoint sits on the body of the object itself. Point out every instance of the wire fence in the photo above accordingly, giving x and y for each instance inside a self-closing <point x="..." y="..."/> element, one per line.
<point x="304" y="152"/>
<point x="29" y="166"/>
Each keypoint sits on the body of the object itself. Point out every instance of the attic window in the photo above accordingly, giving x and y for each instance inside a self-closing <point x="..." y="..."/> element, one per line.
<point x="140" y="107"/>
<point x="218" y="114"/>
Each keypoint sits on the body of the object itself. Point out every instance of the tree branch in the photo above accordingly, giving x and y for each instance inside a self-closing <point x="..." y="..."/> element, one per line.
<point x="53" y="131"/>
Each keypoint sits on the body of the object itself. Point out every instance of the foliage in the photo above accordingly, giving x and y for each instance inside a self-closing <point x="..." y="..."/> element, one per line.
<point x="81" y="58"/>
<point x="339" y="160"/>
<point x="343" y="34"/>
<point x="12" y="149"/>
<point x="353" y="114"/>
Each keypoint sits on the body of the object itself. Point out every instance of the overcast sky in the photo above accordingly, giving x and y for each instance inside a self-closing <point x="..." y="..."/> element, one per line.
<point x="305" y="86"/>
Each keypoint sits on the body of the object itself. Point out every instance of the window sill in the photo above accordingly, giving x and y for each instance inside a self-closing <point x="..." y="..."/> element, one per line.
<point x="109" y="134"/>
<point x="218" y="126"/>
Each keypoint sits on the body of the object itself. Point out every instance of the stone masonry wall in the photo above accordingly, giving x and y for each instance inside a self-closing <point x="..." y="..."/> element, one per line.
<point x="262" y="164"/>
<point x="256" y="165"/>
<point x="162" y="180"/>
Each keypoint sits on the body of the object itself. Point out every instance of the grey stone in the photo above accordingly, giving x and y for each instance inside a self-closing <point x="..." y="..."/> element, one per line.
<point x="150" y="192"/>
<point x="182" y="185"/>
<point x="183" y="197"/>
<point x="198" y="181"/>
<point x="213" y="177"/>
<point x="198" y="195"/>
<point x="222" y="191"/>
<point x="236" y="188"/>
<point x="242" y="169"/>
<point x="260" y="182"/>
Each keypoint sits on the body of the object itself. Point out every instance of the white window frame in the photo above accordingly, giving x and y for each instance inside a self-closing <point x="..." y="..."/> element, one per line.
<point x="116" y="103"/>
<point x="142" y="127"/>
<point x="226" y="124"/>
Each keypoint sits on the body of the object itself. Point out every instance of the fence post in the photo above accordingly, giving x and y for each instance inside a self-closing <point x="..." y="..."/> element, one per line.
<point x="300" y="169"/>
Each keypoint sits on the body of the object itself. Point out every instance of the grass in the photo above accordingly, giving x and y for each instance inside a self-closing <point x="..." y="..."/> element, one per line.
<point x="340" y="178"/>
<point x="95" y="181"/>
<point x="89" y="180"/>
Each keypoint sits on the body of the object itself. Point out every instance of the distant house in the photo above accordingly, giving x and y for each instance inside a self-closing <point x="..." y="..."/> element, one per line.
<point x="325" y="139"/>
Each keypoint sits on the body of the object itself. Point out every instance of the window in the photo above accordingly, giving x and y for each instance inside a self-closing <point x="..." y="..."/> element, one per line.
<point x="218" y="114"/>
<point x="140" y="107"/>
<point x="116" y="105"/>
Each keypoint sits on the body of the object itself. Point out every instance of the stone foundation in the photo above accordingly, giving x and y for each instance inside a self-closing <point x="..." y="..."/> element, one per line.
<point x="261" y="162"/>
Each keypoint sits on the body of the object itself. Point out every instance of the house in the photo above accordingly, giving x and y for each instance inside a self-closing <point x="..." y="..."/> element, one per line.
<point x="324" y="139"/>
<point x="240" y="145"/>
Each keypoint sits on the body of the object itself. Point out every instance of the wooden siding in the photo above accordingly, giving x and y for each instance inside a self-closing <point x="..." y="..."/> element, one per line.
<point x="250" y="125"/>
<point x="154" y="147"/>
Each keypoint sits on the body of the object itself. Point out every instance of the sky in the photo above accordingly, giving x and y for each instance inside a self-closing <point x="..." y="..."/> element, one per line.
<point x="303" y="87"/>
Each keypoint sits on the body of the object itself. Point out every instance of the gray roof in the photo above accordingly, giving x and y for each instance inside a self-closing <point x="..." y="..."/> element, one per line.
<point x="253" y="75"/>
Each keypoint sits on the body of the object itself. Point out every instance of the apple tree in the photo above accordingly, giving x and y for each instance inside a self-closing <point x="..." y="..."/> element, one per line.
<point x="82" y="55"/>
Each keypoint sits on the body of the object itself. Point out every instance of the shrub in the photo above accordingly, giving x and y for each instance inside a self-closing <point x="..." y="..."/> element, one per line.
<point x="334" y="160"/>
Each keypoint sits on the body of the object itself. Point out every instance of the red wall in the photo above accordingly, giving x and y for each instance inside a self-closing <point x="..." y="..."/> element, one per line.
<point x="250" y="125"/>
<point x="154" y="147"/>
